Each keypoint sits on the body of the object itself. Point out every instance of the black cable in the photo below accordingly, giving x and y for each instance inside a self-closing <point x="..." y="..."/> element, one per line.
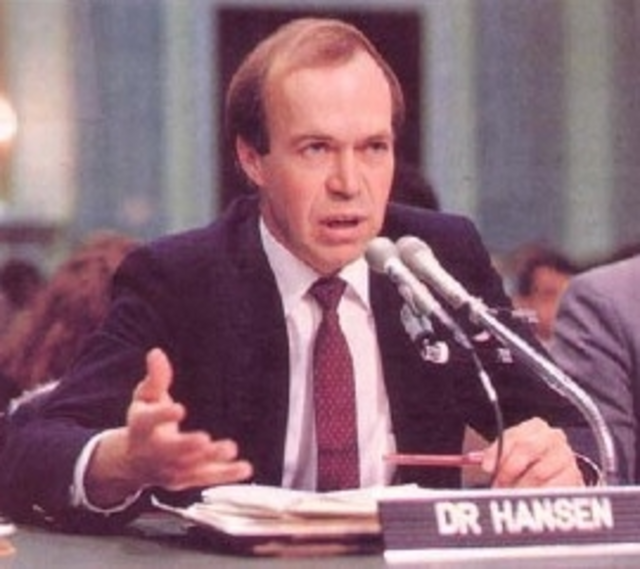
<point x="420" y="329"/>
<point x="492" y="396"/>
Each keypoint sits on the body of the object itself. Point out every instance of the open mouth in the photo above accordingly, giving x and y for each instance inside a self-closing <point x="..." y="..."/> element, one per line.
<point x="342" y="223"/>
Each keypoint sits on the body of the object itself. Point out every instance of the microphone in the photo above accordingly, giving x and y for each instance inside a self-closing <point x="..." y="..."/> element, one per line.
<point x="419" y="258"/>
<point x="382" y="256"/>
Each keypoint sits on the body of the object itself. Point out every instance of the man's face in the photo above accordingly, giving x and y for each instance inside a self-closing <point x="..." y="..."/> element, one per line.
<point x="325" y="182"/>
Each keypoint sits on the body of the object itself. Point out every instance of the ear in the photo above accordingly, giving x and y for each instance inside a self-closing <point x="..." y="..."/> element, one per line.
<point x="250" y="161"/>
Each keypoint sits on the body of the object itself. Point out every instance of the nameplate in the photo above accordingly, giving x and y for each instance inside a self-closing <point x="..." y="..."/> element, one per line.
<point x="478" y="519"/>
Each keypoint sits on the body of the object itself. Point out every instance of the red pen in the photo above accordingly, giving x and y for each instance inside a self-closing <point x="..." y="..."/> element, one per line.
<point x="468" y="459"/>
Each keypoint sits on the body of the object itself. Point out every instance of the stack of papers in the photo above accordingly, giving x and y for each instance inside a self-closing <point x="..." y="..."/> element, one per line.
<point x="265" y="517"/>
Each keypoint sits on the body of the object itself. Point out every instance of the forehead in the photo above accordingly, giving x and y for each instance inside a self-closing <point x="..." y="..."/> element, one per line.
<point x="352" y="88"/>
<point x="314" y="46"/>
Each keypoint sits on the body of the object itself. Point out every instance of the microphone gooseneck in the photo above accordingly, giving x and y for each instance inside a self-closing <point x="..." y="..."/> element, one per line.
<point x="421" y="260"/>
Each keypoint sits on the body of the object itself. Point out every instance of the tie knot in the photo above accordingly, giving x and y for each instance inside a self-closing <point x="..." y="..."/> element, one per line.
<point x="328" y="291"/>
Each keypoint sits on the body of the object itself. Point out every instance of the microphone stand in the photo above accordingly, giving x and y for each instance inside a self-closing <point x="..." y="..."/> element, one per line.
<point x="555" y="378"/>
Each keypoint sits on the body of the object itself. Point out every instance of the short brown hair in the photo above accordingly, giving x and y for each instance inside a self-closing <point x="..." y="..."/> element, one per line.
<point x="304" y="42"/>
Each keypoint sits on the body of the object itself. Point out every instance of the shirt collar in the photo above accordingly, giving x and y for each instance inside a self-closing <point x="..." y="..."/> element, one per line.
<point x="294" y="277"/>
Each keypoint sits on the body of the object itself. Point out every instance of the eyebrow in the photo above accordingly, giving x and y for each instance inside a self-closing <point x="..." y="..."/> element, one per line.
<point x="300" y="138"/>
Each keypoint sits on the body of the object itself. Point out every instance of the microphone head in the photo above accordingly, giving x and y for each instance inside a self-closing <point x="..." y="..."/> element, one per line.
<point x="409" y="246"/>
<point x="379" y="252"/>
<point x="419" y="257"/>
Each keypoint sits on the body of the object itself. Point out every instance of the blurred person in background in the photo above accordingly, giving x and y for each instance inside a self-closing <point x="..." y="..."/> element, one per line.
<point x="596" y="341"/>
<point x="539" y="284"/>
<point x="20" y="281"/>
<point x="39" y="346"/>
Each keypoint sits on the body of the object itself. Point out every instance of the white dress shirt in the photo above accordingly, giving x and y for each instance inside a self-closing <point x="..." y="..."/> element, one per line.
<point x="303" y="317"/>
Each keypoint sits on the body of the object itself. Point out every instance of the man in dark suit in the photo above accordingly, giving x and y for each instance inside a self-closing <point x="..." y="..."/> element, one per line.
<point x="212" y="330"/>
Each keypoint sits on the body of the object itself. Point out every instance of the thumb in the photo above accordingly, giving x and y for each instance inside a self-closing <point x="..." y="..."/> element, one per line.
<point x="155" y="386"/>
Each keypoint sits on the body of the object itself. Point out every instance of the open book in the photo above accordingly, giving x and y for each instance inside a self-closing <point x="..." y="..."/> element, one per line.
<point x="272" y="520"/>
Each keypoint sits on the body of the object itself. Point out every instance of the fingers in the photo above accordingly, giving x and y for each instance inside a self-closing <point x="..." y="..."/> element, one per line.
<point x="143" y="419"/>
<point x="186" y="460"/>
<point x="534" y="455"/>
<point x="159" y="453"/>
<point x="155" y="386"/>
<point x="152" y="407"/>
<point x="205" y="464"/>
<point x="151" y="450"/>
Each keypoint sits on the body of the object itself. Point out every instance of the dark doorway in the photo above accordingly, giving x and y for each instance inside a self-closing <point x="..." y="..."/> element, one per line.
<point x="396" y="33"/>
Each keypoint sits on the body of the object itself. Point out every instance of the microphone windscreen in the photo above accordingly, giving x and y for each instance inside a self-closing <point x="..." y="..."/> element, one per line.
<point x="379" y="252"/>
<point x="409" y="246"/>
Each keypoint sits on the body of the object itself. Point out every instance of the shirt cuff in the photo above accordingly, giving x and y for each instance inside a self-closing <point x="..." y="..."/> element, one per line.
<point x="78" y="494"/>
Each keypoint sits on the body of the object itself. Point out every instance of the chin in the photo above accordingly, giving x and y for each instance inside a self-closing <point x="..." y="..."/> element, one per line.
<point x="341" y="262"/>
<point x="329" y="259"/>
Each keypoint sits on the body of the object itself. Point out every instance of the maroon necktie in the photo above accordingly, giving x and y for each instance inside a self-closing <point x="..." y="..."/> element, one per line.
<point x="334" y="394"/>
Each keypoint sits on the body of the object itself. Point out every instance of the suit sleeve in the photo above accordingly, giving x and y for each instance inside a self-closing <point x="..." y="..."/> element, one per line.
<point x="590" y="345"/>
<point x="41" y="450"/>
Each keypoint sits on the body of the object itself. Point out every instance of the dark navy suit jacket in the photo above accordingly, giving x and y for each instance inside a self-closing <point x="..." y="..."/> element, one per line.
<point x="209" y="298"/>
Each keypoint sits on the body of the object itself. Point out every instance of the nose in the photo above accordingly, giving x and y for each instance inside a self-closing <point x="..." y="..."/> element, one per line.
<point x="344" y="179"/>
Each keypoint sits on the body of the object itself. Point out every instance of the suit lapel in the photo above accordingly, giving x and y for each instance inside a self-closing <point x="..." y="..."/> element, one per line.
<point x="258" y="348"/>
<point x="399" y="363"/>
<point x="421" y="400"/>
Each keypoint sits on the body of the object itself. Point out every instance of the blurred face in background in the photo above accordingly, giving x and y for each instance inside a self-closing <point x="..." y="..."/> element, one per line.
<point x="547" y="287"/>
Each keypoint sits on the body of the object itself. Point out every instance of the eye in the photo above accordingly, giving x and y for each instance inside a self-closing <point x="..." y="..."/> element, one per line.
<point x="315" y="148"/>
<point x="377" y="149"/>
<point x="379" y="146"/>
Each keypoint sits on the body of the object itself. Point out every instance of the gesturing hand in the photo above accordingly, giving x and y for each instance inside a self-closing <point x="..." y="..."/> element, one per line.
<point x="152" y="451"/>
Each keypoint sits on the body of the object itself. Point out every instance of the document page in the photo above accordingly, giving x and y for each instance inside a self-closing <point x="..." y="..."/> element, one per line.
<point x="256" y="510"/>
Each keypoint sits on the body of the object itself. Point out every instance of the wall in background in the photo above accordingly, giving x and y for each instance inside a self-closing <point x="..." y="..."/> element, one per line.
<point x="529" y="120"/>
